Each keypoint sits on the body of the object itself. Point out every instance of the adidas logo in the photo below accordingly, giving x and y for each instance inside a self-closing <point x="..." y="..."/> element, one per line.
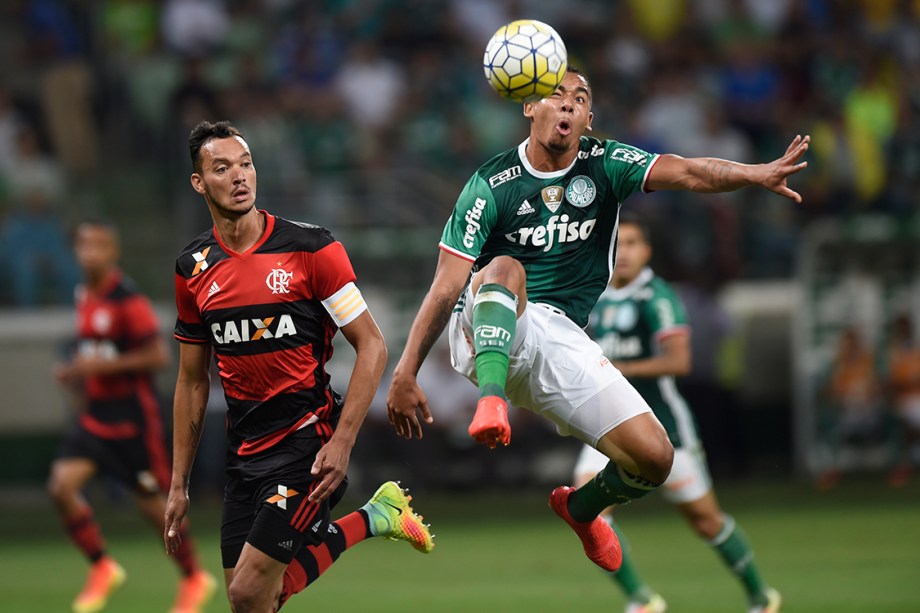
<point x="214" y="289"/>
<point x="525" y="209"/>
<point x="286" y="545"/>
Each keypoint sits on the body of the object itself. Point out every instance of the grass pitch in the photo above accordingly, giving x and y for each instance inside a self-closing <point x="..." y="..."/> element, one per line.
<point x="854" y="549"/>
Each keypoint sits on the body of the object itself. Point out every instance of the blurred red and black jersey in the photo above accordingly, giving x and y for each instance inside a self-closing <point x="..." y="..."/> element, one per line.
<point x="111" y="321"/>
<point x="262" y="312"/>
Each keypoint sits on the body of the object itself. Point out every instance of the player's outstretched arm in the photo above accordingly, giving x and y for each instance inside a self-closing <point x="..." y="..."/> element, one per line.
<point x="405" y="399"/>
<point x="711" y="175"/>
<point x="370" y="359"/>
<point x="189" y="405"/>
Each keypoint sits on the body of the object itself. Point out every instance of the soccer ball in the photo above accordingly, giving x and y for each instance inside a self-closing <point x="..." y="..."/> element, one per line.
<point x="525" y="60"/>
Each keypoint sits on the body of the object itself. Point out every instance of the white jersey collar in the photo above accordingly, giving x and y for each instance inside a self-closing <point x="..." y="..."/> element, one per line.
<point x="630" y="288"/>
<point x="522" y="153"/>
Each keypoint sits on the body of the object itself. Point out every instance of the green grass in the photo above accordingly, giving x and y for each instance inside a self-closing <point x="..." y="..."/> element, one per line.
<point x="854" y="549"/>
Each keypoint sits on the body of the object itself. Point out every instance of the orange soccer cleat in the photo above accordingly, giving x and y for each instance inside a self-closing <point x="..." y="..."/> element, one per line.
<point x="194" y="592"/>
<point x="105" y="576"/>
<point x="490" y="423"/>
<point x="599" y="540"/>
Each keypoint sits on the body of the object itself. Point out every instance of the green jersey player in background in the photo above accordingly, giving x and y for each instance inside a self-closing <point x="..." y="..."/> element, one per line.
<point x="537" y="224"/>
<point x="641" y="326"/>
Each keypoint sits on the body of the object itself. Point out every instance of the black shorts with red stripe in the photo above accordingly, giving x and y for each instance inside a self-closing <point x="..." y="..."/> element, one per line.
<point x="125" y="441"/>
<point x="265" y="498"/>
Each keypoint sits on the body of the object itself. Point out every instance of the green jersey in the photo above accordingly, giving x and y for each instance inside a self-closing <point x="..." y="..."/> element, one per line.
<point x="561" y="226"/>
<point x="628" y="323"/>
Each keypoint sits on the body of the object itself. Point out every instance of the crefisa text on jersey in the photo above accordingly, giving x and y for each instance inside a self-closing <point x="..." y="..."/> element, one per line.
<point x="557" y="226"/>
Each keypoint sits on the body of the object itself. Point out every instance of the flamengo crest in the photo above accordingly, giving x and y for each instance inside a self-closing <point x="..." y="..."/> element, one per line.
<point x="278" y="281"/>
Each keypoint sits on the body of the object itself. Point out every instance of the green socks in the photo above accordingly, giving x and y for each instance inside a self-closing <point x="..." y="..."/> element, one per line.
<point x="494" y="324"/>
<point x="613" y="485"/>
<point x="736" y="552"/>
<point x="627" y="576"/>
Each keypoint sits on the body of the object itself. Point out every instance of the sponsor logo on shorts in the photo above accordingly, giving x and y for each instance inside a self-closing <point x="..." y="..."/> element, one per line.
<point x="286" y="545"/>
<point x="284" y="494"/>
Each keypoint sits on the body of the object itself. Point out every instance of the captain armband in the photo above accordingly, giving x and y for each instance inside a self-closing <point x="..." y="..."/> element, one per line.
<point x="345" y="305"/>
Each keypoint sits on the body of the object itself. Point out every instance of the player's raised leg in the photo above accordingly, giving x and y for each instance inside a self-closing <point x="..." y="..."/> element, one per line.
<point x="500" y="297"/>
<point x="68" y="476"/>
<point x="641" y="598"/>
<point x="640" y="460"/>
<point x="387" y="514"/>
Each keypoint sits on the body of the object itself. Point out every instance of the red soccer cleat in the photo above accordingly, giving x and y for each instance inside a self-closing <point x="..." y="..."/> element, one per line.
<point x="599" y="540"/>
<point x="490" y="423"/>
<point x="105" y="576"/>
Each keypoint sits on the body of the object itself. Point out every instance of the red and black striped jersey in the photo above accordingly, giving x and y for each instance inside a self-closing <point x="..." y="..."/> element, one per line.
<point x="113" y="320"/>
<point x="262" y="311"/>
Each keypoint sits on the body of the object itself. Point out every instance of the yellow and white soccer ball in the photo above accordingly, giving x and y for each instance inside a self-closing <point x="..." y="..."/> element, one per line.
<point x="525" y="60"/>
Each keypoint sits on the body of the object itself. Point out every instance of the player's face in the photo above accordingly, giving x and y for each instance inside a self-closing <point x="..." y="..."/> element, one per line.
<point x="228" y="177"/>
<point x="633" y="253"/>
<point x="559" y="120"/>
<point x="96" y="248"/>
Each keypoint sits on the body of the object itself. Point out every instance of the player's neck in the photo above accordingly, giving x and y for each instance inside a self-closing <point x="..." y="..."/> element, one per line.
<point x="621" y="282"/>
<point x="544" y="159"/>
<point x="96" y="280"/>
<point x="240" y="233"/>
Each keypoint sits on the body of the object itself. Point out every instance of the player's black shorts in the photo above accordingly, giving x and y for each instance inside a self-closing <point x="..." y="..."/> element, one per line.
<point x="131" y="449"/>
<point x="265" y="500"/>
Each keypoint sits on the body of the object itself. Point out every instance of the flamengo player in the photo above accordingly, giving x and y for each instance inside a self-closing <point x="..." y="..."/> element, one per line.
<point x="119" y="432"/>
<point x="267" y="295"/>
<point x="539" y="224"/>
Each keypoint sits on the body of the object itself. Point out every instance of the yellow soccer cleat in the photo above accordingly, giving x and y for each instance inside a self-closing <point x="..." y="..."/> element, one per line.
<point x="391" y="517"/>
<point x="105" y="576"/>
<point x="772" y="605"/>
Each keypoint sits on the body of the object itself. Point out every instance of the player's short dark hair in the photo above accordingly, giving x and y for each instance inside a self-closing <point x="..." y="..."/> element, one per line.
<point x="100" y="221"/>
<point x="204" y="132"/>
<point x="628" y="218"/>
<point x="580" y="72"/>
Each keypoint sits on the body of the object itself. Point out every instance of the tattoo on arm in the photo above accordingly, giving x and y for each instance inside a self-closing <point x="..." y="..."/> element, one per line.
<point x="196" y="426"/>
<point x="439" y="320"/>
<point x="718" y="173"/>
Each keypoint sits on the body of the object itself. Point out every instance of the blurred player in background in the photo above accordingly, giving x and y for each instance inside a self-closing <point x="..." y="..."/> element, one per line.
<point x="537" y="224"/>
<point x="904" y="392"/>
<point x="641" y="326"/>
<point x="119" y="431"/>
<point x="267" y="296"/>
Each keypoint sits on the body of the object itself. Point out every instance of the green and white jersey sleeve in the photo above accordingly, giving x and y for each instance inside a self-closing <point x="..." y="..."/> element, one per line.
<point x="471" y="221"/>
<point x="629" y="323"/>
<point x="560" y="225"/>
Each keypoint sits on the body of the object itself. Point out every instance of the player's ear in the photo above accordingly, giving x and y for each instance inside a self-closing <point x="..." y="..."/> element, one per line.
<point x="590" y="119"/>
<point x="528" y="110"/>
<point x="197" y="183"/>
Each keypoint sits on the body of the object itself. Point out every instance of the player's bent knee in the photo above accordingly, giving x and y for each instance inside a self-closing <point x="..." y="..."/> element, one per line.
<point x="655" y="465"/>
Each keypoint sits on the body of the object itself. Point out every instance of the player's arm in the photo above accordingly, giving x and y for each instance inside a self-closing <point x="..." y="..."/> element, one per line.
<point x="710" y="175"/>
<point x="673" y="359"/>
<point x="370" y="361"/>
<point x="405" y="399"/>
<point x="191" y="399"/>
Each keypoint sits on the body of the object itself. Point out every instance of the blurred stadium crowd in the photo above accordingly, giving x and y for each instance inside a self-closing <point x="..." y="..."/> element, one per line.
<point x="368" y="115"/>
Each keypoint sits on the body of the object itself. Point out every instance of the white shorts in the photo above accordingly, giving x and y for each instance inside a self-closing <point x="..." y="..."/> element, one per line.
<point x="689" y="479"/>
<point x="555" y="370"/>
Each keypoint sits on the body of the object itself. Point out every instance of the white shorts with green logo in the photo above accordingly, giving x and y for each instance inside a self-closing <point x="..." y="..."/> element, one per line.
<point x="555" y="370"/>
<point x="689" y="479"/>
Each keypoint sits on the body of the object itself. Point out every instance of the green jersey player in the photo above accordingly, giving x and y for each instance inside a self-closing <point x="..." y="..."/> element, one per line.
<point x="641" y="325"/>
<point x="537" y="224"/>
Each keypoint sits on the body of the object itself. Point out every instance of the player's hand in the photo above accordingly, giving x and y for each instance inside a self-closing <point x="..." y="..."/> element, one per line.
<point x="176" y="510"/>
<point x="777" y="171"/>
<point x="405" y="402"/>
<point x="330" y="467"/>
